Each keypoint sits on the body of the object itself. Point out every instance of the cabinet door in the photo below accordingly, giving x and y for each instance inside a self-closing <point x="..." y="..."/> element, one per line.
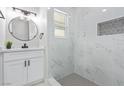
<point x="36" y="69"/>
<point x="15" y="73"/>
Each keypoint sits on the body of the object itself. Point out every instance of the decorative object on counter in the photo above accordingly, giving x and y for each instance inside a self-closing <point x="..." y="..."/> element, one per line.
<point x="1" y="15"/>
<point x="8" y="45"/>
<point x="25" y="46"/>
<point x="41" y="35"/>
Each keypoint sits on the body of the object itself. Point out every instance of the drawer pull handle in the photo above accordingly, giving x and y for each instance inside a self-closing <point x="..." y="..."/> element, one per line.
<point x="28" y="62"/>
<point x="25" y="63"/>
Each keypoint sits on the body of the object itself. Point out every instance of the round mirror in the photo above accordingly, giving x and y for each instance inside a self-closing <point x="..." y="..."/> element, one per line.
<point x="23" y="29"/>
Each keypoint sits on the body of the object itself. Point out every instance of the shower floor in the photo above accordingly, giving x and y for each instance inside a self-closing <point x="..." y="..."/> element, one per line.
<point x="75" y="80"/>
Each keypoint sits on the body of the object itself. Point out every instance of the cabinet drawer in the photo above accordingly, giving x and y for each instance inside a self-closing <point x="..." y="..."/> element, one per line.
<point x="22" y="55"/>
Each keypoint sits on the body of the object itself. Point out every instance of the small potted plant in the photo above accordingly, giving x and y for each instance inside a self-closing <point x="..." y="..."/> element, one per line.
<point x="8" y="44"/>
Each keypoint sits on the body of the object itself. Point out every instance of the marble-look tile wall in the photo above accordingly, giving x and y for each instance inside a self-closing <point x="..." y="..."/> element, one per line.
<point x="98" y="58"/>
<point x="60" y="50"/>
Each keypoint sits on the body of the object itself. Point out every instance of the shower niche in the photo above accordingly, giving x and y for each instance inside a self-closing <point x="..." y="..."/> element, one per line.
<point x="110" y="27"/>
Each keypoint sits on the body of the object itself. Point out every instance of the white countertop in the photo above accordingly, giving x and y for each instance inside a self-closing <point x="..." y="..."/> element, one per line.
<point x="20" y="49"/>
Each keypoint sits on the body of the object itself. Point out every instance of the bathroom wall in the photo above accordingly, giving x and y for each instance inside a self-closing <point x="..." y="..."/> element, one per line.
<point x="2" y="28"/>
<point x="39" y="21"/>
<point x="60" y="50"/>
<point x="2" y="38"/>
<point x="98" y="58"/>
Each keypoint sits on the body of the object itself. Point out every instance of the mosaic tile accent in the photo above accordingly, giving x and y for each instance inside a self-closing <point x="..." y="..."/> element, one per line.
<point x="114" y="26"/>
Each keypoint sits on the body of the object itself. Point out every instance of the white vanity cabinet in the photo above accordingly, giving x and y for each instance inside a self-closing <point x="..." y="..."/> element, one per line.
<point x="35" y="69"/>
<point x="23" y="67"/>
<point x="15" y="73"/>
